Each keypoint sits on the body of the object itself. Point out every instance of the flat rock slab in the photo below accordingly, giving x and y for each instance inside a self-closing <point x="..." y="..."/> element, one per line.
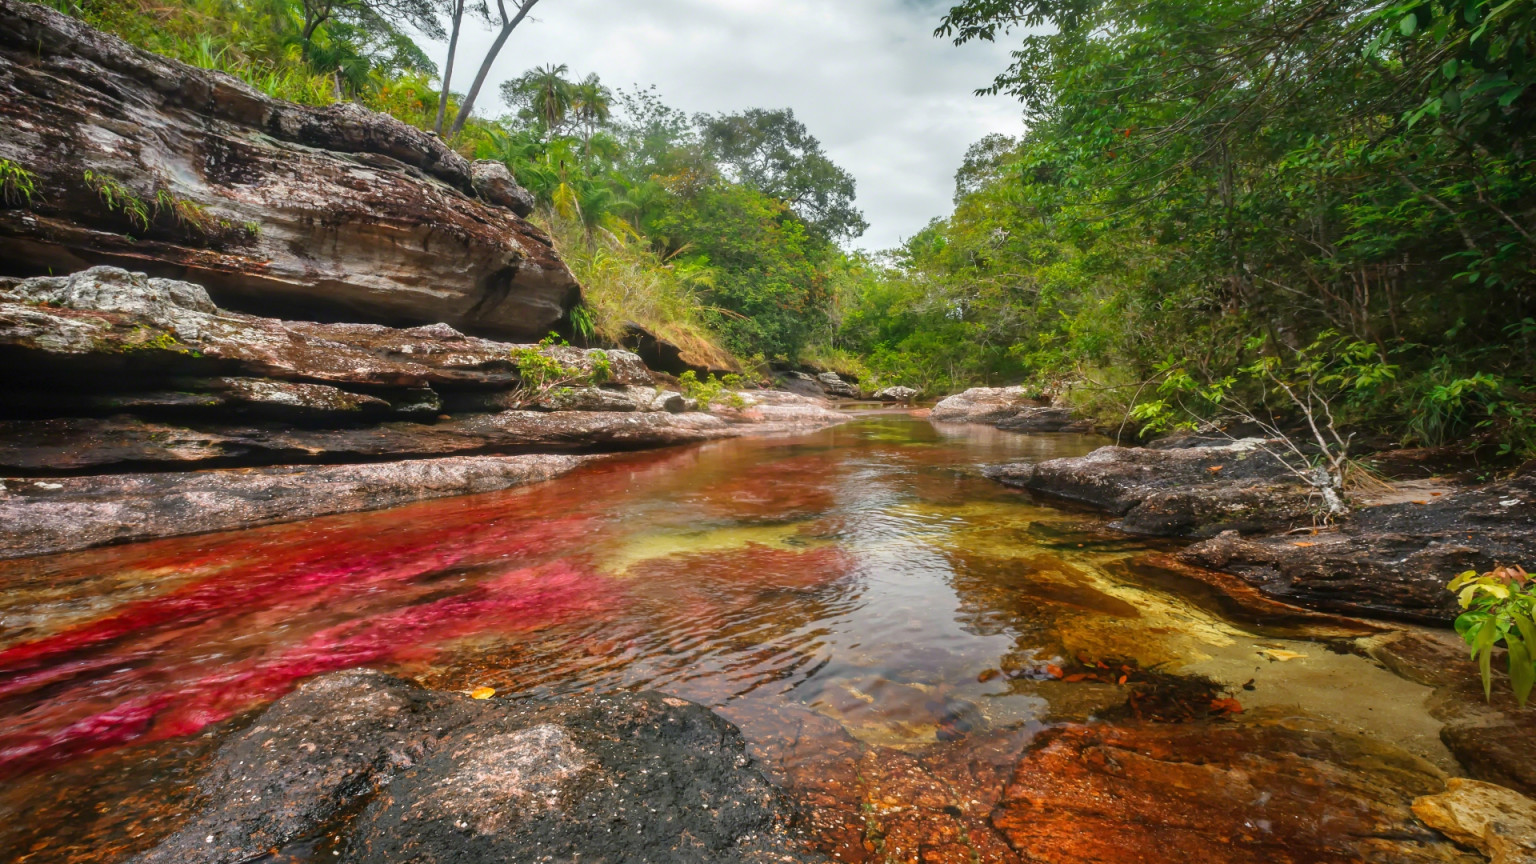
<point x="1196" y="492"/>
<point x="1394" y="559"/>
<point x="438" y="777"/>
<point x="42" y="517"/>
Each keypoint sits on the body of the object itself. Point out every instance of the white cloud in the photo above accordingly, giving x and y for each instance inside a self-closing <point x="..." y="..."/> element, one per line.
<point x="890" y="103"/>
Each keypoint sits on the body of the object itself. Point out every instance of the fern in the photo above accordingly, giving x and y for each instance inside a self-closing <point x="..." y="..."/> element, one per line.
<point x="18" y="186"/>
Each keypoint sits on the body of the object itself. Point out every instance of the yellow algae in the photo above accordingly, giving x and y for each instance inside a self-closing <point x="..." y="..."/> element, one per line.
<point x="643" y="547"/>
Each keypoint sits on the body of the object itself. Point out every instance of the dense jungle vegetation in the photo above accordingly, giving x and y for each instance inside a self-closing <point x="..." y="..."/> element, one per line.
<point x="1210" y="202"/>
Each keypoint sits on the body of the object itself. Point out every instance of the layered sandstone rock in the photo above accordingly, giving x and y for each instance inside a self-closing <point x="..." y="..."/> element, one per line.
<point x="334" y="213"/>
<point x="136" y="381"/>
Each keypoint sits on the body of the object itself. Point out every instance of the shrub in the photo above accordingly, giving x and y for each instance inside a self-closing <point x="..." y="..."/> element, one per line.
<point x="1500" y="607"/>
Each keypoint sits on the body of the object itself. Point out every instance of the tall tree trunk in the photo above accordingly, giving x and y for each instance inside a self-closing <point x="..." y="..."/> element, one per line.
<point x="485" y="67"/>
<point x="453" y="48"/>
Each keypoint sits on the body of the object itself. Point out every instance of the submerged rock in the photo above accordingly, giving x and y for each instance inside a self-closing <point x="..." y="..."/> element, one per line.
<point x="1249" y="792"/>
<point x="335" y="212"/>
<point x="1196" y="492"/>
<point x="442" y="777"/>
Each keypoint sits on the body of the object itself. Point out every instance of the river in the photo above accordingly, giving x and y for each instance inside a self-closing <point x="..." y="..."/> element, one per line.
<point x="858" y="590"/>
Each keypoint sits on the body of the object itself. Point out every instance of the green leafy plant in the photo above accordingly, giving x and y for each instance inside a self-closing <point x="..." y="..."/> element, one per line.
<point x="18" y="186"/>
<point x="119" y="198"/>
<point x="712" y="390"/>
<point x="1500" y="607"/>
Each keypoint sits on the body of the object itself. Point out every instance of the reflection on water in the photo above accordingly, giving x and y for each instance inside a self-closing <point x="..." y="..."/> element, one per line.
<point x="862" y="584"/>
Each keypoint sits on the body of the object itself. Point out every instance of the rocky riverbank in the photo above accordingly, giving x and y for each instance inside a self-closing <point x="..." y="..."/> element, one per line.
<point x="1254" y="518"/>
<point x="148" y="411"/>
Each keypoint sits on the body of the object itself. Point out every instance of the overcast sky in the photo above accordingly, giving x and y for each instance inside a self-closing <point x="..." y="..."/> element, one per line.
<point x="890" y="103"/>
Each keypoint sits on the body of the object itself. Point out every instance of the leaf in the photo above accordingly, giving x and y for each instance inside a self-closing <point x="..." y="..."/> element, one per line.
<point x="1303" y="544"/>
<point x="1522" y="671"/>
<point x="1409" y="25"/>
<point x="482" y="693"/>
<point x="1226" y="706"/>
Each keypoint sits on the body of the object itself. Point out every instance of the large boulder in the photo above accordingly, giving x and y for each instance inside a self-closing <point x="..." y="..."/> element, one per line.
<point x="441" y="777"/>
<point x="834" y="385"/>
<point x="1394" y="559"/>
<point x="896" y="394"/>
<point x="495" y="183"/>
<point x="1196" y="492"/>
<point x="982" y="405"/>
<point x="335" y="213"/>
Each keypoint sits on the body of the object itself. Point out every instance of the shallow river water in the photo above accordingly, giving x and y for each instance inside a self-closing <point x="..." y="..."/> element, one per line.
<point x="859" y="590"/>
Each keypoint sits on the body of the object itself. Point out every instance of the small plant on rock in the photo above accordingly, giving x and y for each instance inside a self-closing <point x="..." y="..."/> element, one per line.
<point x="1500" y="607"/>
<point x="119" y="198"/>
<point x="712" y="390"/>
<point x="542" y="375"/>
<point x="18" y="186"/>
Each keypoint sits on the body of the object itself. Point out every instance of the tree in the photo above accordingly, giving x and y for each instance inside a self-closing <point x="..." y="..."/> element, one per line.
<point x="544" y="95"/>
<point x="774" y="153"/>
<point x="369" y="13"/>
<point x="456" y="10"/>
<point x="593" y="104"/>
<point x="506" y="23"/>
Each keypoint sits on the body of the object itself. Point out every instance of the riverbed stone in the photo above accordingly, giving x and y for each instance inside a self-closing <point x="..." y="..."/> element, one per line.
<point x="1255" y="793"/>
<point x="1498" y="822"/>
<point x="443" y="777"/>
<point x="982" y="405"/>
<point x="896" y="394"/>
<point x="1196" y="492"/>
<point x="1394" y="559"/>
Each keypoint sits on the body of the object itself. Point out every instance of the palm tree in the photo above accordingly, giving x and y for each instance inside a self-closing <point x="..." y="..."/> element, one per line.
<point x="550" y="95"/>
<point x="593" y="104"/>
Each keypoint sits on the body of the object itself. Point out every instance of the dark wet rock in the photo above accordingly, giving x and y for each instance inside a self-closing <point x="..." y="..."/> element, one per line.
<point x="1044" y="420"/>
<point x="896" y="394"/>
<point x="1393" y="559"/>
<point x="336" y="212"/>
<point x="42" y="517"/>
<point x="495" y="184"/>
<point x="834" y="385"/>
<point x="441" y="777"/>
<point x="982" y="405"/>
<point x="1196" y="492"/>
<point x="802" y="384"/>
<point x="1215" y="792"/>
<point x="1491" y="738"/>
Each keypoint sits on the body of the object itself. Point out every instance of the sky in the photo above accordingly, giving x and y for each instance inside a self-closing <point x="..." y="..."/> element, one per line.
<point x="890" y="103"/>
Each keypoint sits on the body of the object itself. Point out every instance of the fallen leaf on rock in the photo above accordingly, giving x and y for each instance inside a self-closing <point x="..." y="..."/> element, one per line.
<point x="1226" y="706"/>
<point x="1280" y="654"/>
<point x="482" y="693"/>
<point x="1303" y="544"/>
<point x="1053" y="670"/>
<point x="1214" y="468"/>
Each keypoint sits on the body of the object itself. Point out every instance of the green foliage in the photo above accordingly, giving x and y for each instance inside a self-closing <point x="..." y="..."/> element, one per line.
<point x="712" y="390"/>
<point x="1194" y="175"/>
<point x="1500" y="607"/>
<point x="18" y="186"/>
<point x="541" y="374"/>
<point x="118" y="198"/>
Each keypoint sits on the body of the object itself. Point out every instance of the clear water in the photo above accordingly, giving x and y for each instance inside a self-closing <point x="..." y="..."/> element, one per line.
<point x="862" y="583"/>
